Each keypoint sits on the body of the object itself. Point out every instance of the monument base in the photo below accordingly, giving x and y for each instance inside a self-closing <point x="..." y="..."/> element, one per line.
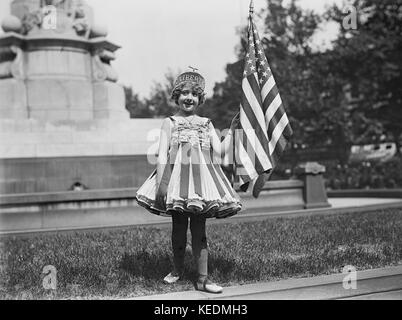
<point x="37" y="175"/>
<point x="38" y="157"/>
<point x="13" y="99"/>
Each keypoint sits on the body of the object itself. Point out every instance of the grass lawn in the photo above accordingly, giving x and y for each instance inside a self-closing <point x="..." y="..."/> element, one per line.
<point x="132" y="262"/>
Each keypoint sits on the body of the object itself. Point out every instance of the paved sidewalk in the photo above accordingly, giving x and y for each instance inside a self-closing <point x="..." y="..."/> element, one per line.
<point x="384" y="283"/>
<point x="360" y="202"/>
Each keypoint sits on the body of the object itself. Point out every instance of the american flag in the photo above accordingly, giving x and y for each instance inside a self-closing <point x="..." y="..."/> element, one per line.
<point x="264" y="125"/>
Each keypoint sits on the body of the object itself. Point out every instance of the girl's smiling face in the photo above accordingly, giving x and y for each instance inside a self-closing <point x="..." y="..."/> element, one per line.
<point x="188" y="100"/>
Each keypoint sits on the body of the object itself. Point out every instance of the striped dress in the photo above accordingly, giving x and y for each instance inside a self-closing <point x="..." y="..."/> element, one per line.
<point x="197" y="184"/>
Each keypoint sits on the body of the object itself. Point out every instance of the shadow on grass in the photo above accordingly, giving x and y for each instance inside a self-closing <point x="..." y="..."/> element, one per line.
<point x="156" y="265"/>
<point x="149" y="265"/>
<point x="221" y="268"/>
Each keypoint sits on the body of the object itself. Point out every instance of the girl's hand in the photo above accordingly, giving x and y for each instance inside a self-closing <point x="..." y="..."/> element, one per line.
<point x="235" y="122"/>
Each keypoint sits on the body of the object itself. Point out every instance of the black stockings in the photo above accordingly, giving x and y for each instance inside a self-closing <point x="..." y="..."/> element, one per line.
<point x="198" y="242"/>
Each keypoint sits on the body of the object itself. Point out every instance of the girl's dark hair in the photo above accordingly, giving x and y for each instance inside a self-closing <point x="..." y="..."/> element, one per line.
<point x="195" y="87"/>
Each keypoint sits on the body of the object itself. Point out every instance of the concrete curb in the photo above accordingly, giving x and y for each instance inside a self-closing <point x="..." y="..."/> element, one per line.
<point x="252" y="214"/>
<point x="369" y="282"/>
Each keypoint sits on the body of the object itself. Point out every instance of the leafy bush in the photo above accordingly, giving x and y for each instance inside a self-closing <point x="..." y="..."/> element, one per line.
<point x="374" y="175"/>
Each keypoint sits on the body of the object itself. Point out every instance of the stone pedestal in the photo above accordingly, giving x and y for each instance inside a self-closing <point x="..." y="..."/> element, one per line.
<point x="315" y="195"/>
<point x="52" y="78"/>
<point x="63" y="119"/>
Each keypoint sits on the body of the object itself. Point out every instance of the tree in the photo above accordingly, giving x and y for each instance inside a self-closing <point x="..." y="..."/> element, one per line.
<point x="287" y="39"/>
<point x="135" y="106"/>
<point x="369" y="59"/>
<point x="160" y="103"/>
<point x="225" y="101"/>
<point x="332" y="98"/>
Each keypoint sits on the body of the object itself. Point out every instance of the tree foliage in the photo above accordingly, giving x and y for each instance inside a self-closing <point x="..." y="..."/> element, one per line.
<point x="348" y="94"/>
<point x="158" y="104"/>
<point x="135" y="105"/>
<point x="368" y="59"/>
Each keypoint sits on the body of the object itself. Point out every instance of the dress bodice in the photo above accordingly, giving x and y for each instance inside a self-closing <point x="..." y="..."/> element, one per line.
<point x="195" y="132"/>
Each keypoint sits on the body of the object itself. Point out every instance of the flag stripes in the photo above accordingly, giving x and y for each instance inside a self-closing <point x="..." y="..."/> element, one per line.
<point x="255" y="144"/>
<point x="263" y="121"/>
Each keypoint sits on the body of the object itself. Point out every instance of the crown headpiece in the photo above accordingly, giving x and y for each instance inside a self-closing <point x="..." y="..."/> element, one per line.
<point x="190" y="77"/>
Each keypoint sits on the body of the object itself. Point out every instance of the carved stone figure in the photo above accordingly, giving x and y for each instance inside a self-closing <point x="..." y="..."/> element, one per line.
<point x="66" y="5"/>
<point x="102" y="70"/>
<point x="11" y="62"/>
<point x="72" y="17"/>
<point x="81" y="23"/>
<point x="32" y="20"/>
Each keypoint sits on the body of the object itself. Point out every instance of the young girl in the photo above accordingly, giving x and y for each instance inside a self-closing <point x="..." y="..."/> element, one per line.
<point x="188" y="183"/>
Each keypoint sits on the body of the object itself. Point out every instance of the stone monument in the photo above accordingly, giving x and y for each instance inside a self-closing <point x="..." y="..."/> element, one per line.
<point x="63" y="121"/>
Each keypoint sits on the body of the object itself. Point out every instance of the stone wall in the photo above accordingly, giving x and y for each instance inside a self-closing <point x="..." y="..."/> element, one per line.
<point x="49" y="157"/>
<point x="40" y="175"/>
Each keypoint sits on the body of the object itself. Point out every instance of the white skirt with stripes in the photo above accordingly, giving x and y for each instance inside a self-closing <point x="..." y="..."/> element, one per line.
<point x="195" y="186"/>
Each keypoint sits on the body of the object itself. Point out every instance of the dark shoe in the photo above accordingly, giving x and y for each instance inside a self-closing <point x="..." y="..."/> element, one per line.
<point x="208" y="286"/>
